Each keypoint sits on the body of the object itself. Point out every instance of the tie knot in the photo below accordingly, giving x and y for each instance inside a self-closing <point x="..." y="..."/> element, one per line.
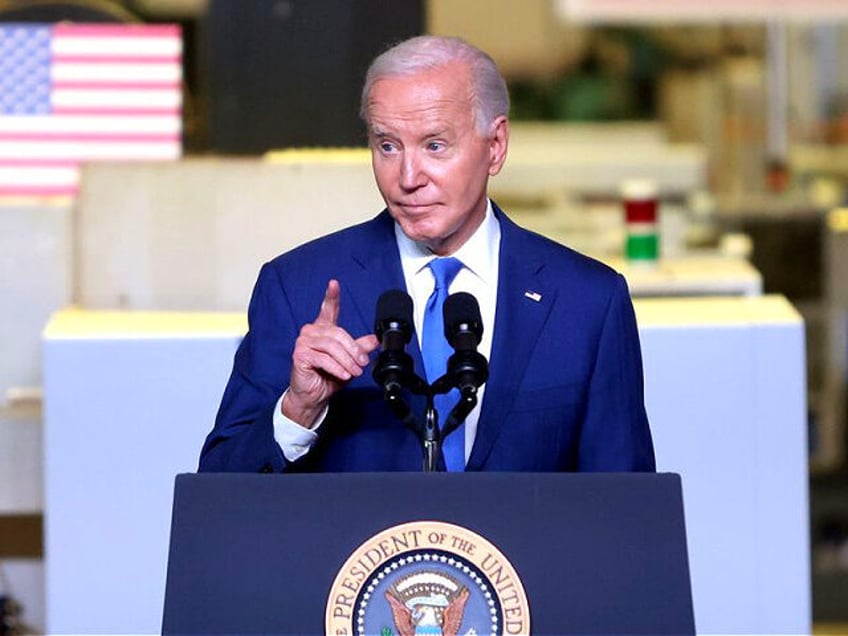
<point x="445" y="270"/>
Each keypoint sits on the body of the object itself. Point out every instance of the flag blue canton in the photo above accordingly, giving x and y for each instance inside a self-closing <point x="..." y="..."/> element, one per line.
<point x="24" y="70"/>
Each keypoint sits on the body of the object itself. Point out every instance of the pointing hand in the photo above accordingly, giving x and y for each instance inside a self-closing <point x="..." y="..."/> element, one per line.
<point x="325" y="359"/>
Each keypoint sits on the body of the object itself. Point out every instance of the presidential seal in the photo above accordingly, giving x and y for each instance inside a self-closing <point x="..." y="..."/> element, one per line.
<point x="427" y="578"/>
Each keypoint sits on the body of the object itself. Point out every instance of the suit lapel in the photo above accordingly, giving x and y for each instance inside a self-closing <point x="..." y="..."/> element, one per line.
<point x="524" y="302"/>
<point x="376" y="268"/>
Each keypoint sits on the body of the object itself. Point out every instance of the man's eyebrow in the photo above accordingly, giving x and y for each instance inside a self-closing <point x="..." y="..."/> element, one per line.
<point x="375" y="131"/>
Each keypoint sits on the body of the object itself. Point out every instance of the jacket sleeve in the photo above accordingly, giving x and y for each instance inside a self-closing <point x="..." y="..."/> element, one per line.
<point x="242" y="439"/>
<point x="615" y="435"/>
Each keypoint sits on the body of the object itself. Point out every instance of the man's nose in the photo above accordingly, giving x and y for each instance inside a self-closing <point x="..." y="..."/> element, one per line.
<point x="412" y="175"/>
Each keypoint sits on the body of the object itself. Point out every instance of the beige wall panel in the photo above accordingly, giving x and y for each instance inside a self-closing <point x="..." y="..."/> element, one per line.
<point x="192" y="235"/>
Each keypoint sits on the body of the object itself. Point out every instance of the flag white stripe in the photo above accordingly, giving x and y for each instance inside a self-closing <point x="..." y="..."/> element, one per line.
<point x="165" y="72"/>
<point x="153" y="98"/>
<point x="38" y="176"/>
<point x="165" y="124"/>
<point x="88" y="150"/>
<point x="136" y="46"/>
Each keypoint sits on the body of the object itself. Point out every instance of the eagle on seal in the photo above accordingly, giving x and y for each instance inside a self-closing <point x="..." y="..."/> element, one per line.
<point x="432" y="615"/>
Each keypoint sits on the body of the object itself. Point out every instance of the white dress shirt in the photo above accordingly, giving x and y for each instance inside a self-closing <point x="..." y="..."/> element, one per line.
<point x="478" y="277"/>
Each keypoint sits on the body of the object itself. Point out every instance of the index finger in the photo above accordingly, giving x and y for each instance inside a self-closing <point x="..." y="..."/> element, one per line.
<point x="329" y="312"/>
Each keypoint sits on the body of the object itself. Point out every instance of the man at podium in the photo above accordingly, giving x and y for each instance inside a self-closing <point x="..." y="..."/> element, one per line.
<point x="564" y="390"/>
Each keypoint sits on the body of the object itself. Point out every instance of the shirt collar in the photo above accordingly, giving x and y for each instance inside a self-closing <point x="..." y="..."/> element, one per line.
<point x="478" y="254"/>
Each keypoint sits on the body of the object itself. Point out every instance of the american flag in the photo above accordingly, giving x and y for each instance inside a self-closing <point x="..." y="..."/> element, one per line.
<point x="71" y="93"/>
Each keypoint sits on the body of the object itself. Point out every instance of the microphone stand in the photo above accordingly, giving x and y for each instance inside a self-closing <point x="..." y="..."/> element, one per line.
<point x="431" y="434"/>
<point x="431" y="438"/>
<point x="428" y="432"/>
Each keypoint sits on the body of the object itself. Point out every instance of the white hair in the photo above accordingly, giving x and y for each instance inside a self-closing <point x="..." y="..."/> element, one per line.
<point x="428" y="52"/>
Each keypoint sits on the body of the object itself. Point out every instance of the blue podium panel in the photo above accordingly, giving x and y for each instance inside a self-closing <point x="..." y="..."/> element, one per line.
<point x="595" y="553"/>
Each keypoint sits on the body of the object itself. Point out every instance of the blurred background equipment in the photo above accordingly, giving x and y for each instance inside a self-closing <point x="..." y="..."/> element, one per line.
<point x="289" y="72"/>
<point x="10" y="613"/>
<point x="47" y="11"/>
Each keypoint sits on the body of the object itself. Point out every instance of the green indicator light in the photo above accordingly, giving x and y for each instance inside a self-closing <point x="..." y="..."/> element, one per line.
<point x="643" y="247"/>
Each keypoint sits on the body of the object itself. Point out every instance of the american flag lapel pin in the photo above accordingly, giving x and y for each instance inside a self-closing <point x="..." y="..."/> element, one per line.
<point x="534" y="296"/>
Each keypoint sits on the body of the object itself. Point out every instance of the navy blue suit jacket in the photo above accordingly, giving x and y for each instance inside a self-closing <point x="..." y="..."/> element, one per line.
<point x="565" y="390"/>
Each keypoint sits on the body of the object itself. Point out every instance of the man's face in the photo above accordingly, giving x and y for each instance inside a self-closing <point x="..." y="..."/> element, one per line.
<point x="430" y="161"/>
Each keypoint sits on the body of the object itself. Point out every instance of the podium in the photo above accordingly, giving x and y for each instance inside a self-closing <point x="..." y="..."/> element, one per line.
<point x="371" y="553"/>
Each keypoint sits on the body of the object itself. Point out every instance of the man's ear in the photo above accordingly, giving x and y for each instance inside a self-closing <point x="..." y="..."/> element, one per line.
<point x="498" y="142"/>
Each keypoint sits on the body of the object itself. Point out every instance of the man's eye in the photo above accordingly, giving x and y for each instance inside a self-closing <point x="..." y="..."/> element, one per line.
<point x="385" y="146"/>
<point x="435" y="146"/>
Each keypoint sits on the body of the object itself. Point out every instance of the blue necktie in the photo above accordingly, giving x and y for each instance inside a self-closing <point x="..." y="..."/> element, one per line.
<point x="436" y="350"/>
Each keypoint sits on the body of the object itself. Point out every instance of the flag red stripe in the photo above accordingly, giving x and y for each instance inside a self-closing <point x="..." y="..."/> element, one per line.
<point x="117" y="112"/>
<point x="147" y="31"/>
<point x="37" y="163"/>
<point x="83" y="137"/>
<point x="137" y="85"/>
<point x="115" y="58"/>
<point x="38" y="191"/>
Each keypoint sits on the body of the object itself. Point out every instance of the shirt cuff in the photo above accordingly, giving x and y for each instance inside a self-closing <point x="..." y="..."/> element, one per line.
<point x="294" y="440"/>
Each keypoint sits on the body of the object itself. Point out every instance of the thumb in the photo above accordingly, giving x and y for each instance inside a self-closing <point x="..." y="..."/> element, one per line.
<point x="368" y="343"/>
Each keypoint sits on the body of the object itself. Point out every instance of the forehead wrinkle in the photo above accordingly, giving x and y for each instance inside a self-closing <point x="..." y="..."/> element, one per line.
<point x="422" y="124"/>
<point x="433" y="108"/>
<point x="425" y="123"/>
<point x="423" y="98"/>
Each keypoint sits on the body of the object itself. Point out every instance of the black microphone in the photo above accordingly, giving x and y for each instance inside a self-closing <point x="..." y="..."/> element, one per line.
<point x="463" y="330"/>
<point x="393" y="326"/>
